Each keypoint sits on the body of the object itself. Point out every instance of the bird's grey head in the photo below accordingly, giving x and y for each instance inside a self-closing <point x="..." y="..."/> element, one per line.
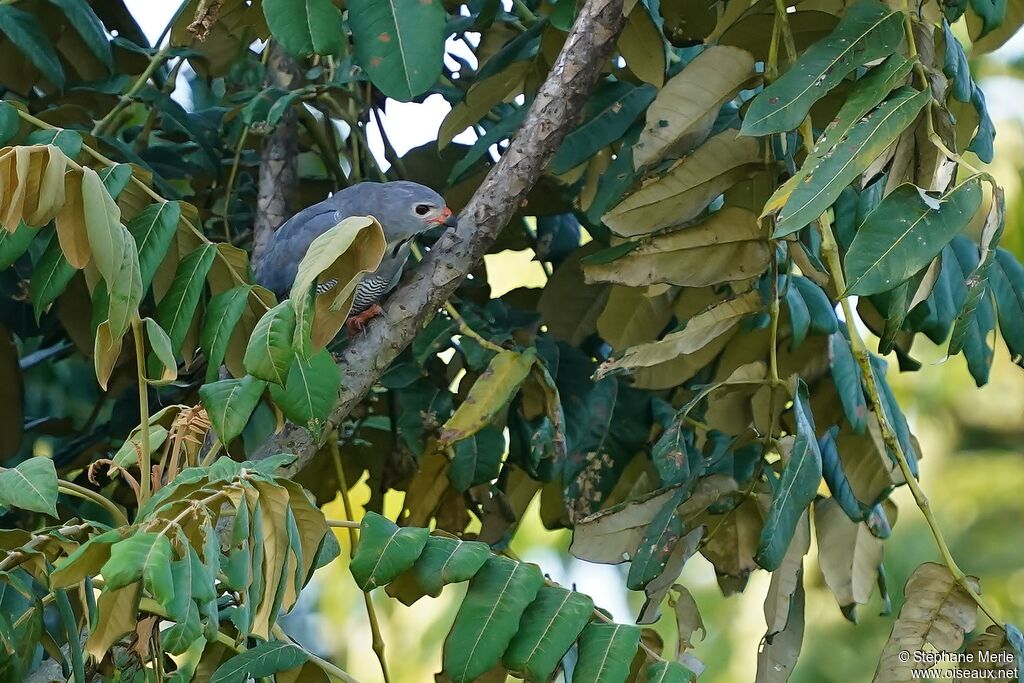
<point x="405" y="209"/>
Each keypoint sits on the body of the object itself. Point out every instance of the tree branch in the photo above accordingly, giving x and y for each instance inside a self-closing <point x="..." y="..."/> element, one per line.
<point x="553" y="114"/>
<point x="279" y="159"/>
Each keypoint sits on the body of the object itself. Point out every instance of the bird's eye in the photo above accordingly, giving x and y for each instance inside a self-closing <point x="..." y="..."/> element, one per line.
<point x="422" y="209"/>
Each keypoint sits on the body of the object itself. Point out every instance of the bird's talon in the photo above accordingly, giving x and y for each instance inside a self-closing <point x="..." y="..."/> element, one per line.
<point x="358" y="323"/>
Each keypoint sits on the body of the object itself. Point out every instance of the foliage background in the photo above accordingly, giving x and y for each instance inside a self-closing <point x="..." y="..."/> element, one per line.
<point x="973" y="472"/>
<point x="973" y="439"/>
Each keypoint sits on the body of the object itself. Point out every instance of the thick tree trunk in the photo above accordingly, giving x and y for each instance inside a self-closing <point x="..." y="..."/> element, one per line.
<point x="553" y="114"/>
<point x="279" y="159"/>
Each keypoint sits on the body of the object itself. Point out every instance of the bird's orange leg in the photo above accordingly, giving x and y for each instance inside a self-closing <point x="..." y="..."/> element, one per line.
<point x="357" y="322"/>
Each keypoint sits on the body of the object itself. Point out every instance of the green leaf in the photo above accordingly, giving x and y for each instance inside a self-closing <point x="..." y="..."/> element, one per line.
<point x="659" y="540"/>
<point x="309" y="391"/>
<point x="669" y="672"/>
<point x="866" y="94"/>
<point x="87" y="560"/>
<point x="222" y="315"/>
<point x="836" y="479"/>
<point x="991" y="13"/>
<point x="269" y="353"/>
<point x="606" y="652"/>
<point x="144" y="555"/>
<point x="384" y="551"/>
<point x="1007" y="280"/>
<point x="795" y="489"/>
<point x="69" y="141"/>
<point x="32" y="485"/>
<point x="24" y="31"/>
<point x="904" y="233"/>
<point x="955" y="66"/>
<point x="162" y="351"/>
<point x="867" y="139"/>
<point x="977" y="281"/>
<point x="477" y="459"/>
<point x="305" y="27"/>
<point x="548" y="628"/>
<point x="983" y="142"/>
<point x="50" y="278"/>
<point x="443" y="561"/>
<point x="263" y="660"/>
<point x="177" y="308"/>
<point x="894" y="414"/>
<point x="153" y="230"/>
<point x="868" y="31"/>
<point x="399" y="44"/>
<point x="974" y="331"/>
<point x="229" y="403"/>
<point x="847" y="379"/>
<point x="10" y="122"/>
<point x="115" y="178"/>
<point x="612" y="111"/>
<point x="14" y="244"/>
<point x="81" y="16"/>
<point x="489" y="617"/>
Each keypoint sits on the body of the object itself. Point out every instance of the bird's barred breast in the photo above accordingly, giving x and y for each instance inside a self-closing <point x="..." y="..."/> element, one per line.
<point x="368" y="292"/>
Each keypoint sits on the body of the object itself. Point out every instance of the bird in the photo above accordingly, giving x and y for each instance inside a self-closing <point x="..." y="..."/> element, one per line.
<point x="403" y="208"/>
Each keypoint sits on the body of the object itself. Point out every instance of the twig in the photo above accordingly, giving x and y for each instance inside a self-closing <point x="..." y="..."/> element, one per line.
<point x="126" y="99"/>
<point x="145" y="485"/>
<point x="342" y="524"/>
<point x="353" y="536"/>
<point x="329" y="669"/>
<point x="72" y="489"/>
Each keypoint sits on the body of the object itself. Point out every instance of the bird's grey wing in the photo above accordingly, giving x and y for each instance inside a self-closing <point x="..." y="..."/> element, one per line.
<point x="278" y="268"/>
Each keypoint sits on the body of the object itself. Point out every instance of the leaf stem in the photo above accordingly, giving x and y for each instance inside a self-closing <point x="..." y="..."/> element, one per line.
<point x="231" y="182"/>
<point x="212" y="454"/>
<point x="145" y="485"/>
<point x="830" y="252"/>
<point x="342" y="524"/>
<point x="73" y="489"/>
<point x="353" y="535"/>
<point x="126" y="99"/>
<point x="329" y="669"/>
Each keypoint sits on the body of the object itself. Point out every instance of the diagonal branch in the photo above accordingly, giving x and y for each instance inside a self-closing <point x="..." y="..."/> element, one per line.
<point x="553" y="114"/>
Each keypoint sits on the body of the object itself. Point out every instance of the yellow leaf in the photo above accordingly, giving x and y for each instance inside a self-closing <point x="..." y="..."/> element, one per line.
<point x="344" y="253"/>
<point x="684" y="110"/>
<point x="479" y="100"/>
<point x="642" y="46"/>
<point x="14" y="196"/>
<point x="46" y="198"/>
<point x="71" y="232"/>
<point x="116" y="615"/>
<point x="700" y="330"/>
<point x="489" y="394"/>
<point x="103" y="226"/>
<point x="726" y="246"/>
<point x="631" y="317"/>
<point x="105" y="353"/>
<point x="686" y="189"/>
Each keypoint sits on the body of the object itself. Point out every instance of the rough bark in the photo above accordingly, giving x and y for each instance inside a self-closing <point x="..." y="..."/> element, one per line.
<point x="553" y="114"/>
<point x="279" y="158"/>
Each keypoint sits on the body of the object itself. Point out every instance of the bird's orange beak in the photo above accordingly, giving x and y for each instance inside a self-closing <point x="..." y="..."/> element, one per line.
<point x="447" y="218"/>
